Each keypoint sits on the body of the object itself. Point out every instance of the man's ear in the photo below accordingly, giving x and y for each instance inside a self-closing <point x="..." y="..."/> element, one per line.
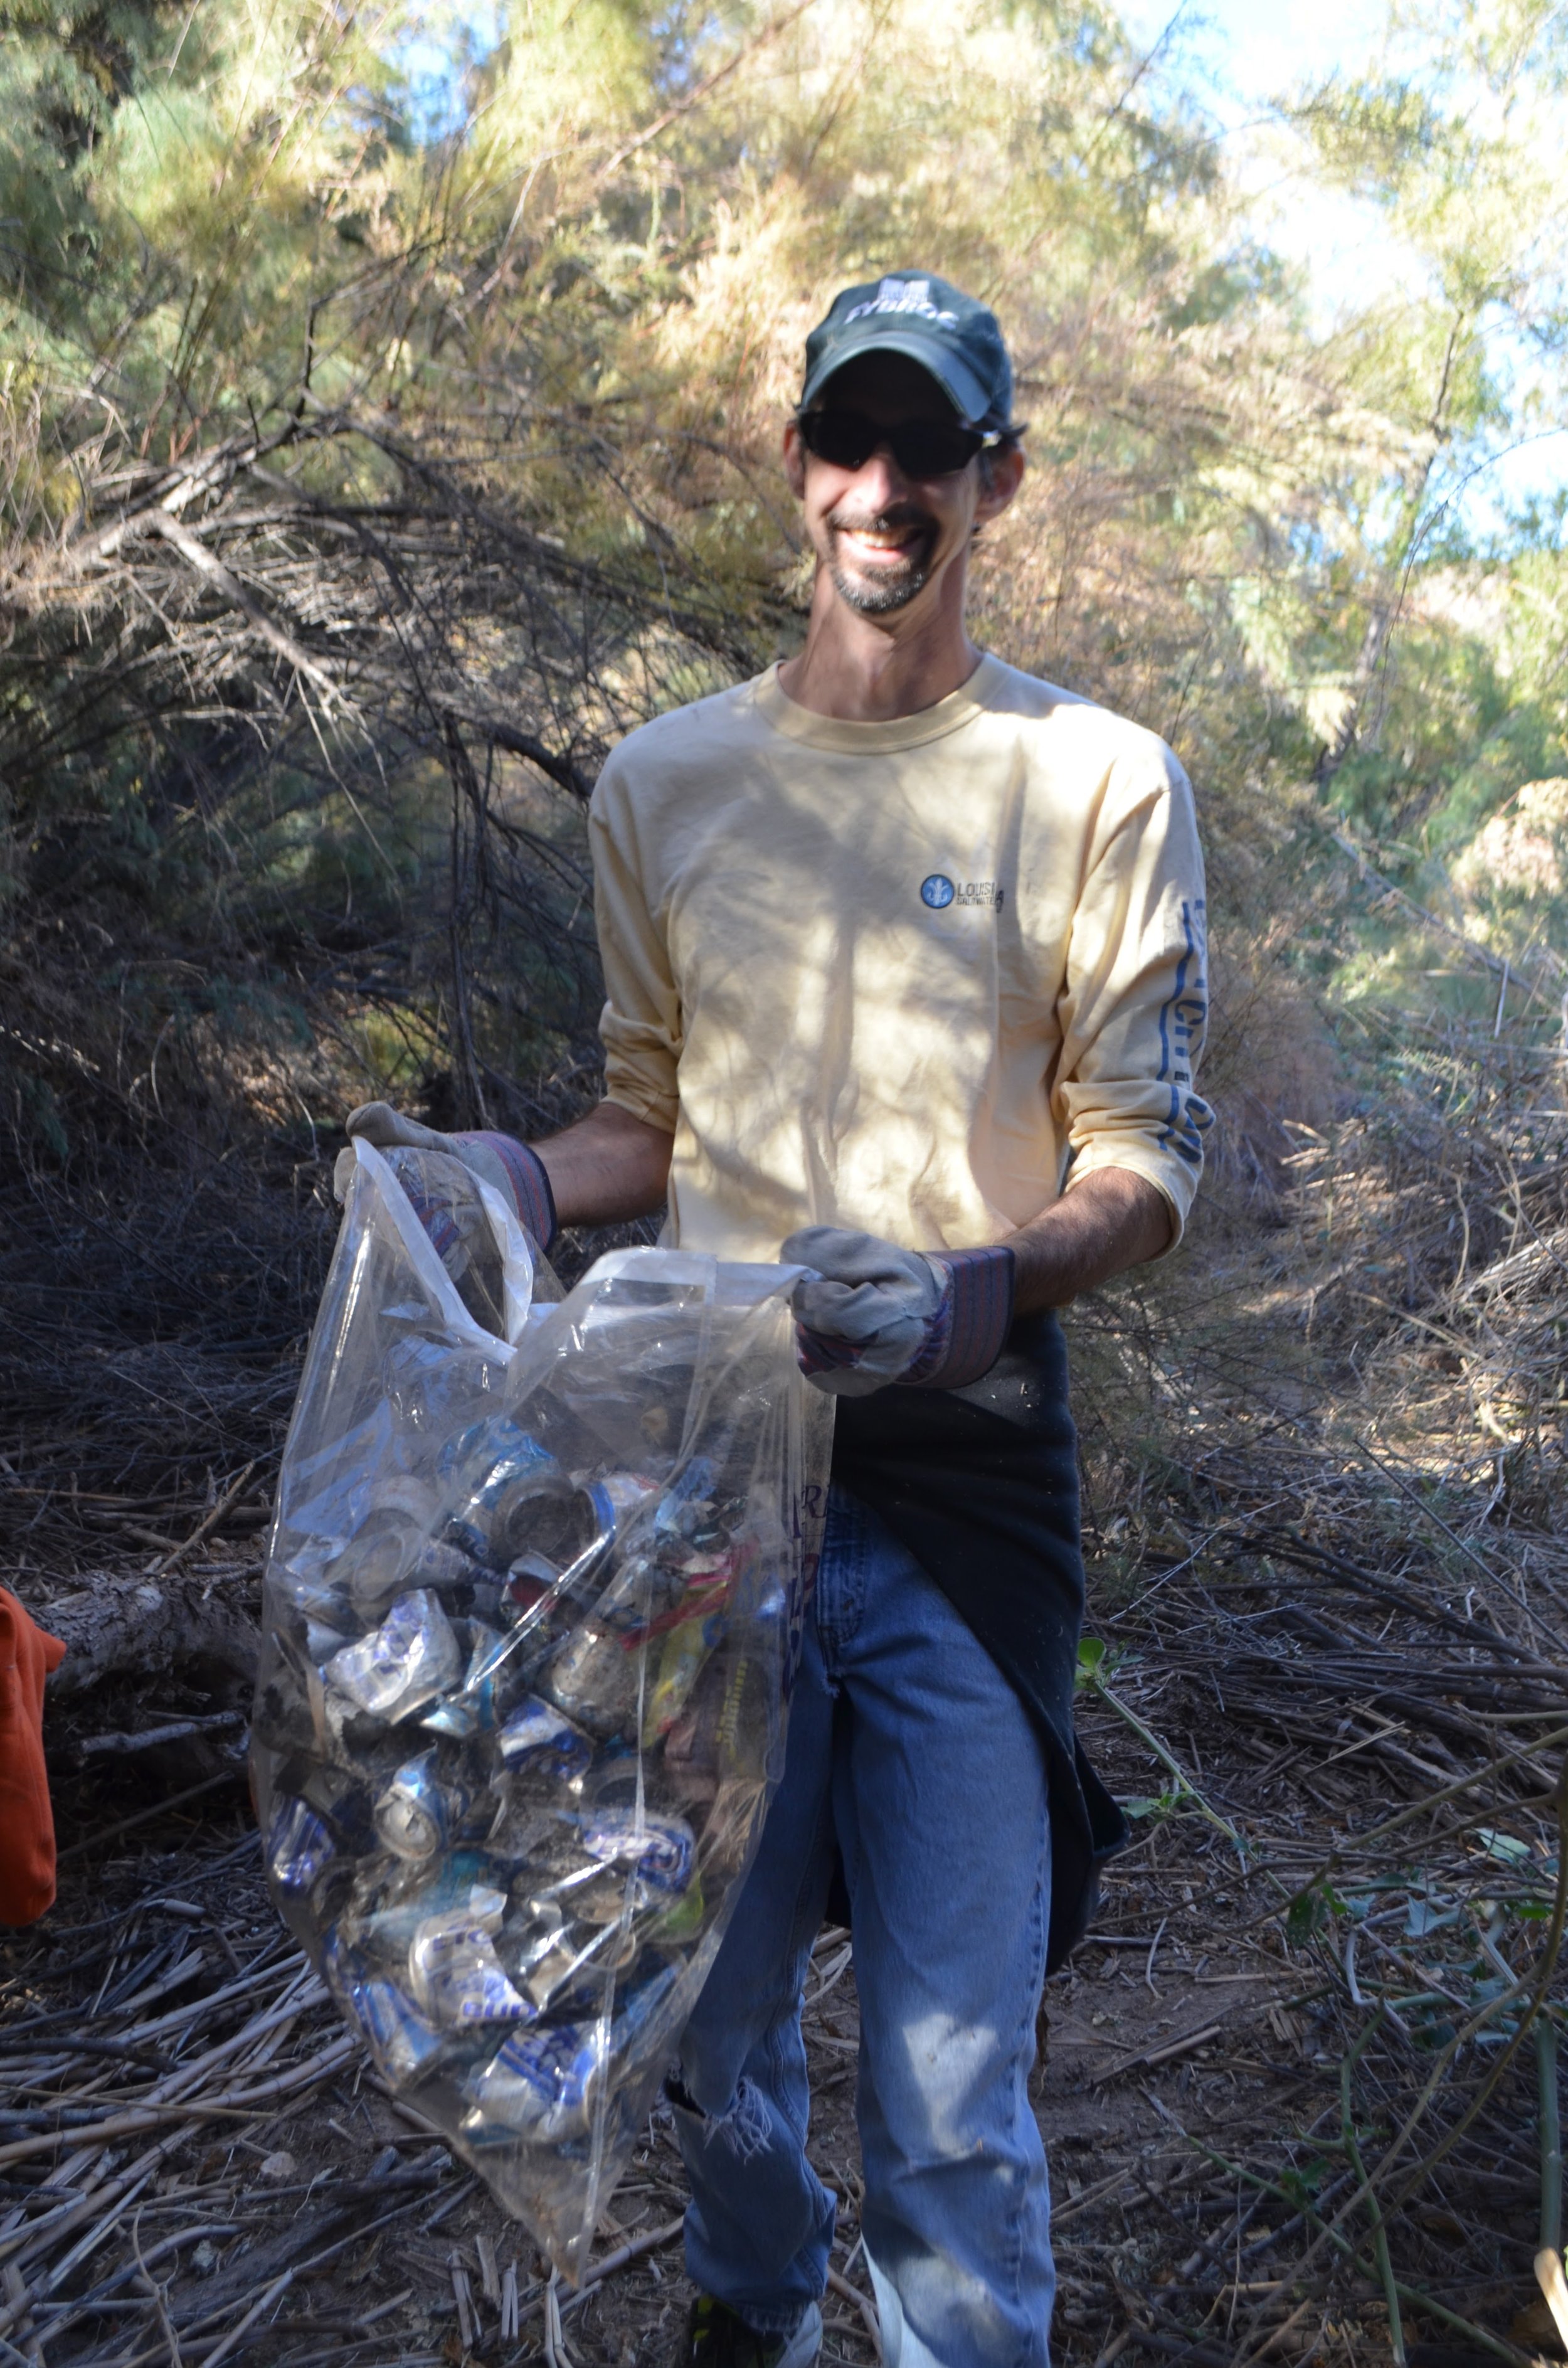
<point x="794" y="459"/>
<point x="1001" y="476"/>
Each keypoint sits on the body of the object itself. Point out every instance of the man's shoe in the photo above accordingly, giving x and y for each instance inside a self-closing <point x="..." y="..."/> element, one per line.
<point x="717" y="2337"/>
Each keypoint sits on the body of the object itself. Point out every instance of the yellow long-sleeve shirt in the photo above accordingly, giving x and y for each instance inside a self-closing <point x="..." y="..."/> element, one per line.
<point x="912" y="977"/>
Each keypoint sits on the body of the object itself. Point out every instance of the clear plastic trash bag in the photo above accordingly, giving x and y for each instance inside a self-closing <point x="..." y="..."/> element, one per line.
<point x="532" y="1611"/>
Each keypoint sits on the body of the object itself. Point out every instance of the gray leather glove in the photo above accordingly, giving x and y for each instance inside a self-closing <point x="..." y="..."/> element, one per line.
<point x="509" y="1166"/>
<point x="869" y="1314"/>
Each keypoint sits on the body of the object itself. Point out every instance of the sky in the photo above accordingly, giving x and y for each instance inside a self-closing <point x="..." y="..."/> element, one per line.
<point x="1236" y="58"/>
<point x="1235" y="55"/>
<point x="1263" y="47"/>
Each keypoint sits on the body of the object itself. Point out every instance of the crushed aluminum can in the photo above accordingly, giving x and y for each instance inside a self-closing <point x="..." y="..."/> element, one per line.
<point x="596" y="1679"/>
<point x="388" y="1543"/>
<point x="438" y="1564"/>
<point x="321" y="1643"/>
<point x="582" y="1542"/>
<point x="471" y="1710"/>
<point x="575" y="1958"/>
<point x="537" y="1585"/>
<point x="601" y="1512"/>
<point x="298" y="1845"/>
<point x="417" y="1814"/>
<point x="498" y="1470"/>
<point x="686" y="1503"/>
<point x="402" y="2042"/>
<point x="550" y="1968"/>
<point x="598" y="1674"/>
<point x="342" y="1799"/>
<point x="658" y="1851"/>
<point x="539" y="1740"/>
<point x="540" y="2084"/>
<point x="403" y="2045"/>
<point x="616" y="1499"/>
<point x="405" y="1663"/>
<point x="529" y="1579"/>
<point x="454" y="1891"/>
<point x="458" y="1978"/>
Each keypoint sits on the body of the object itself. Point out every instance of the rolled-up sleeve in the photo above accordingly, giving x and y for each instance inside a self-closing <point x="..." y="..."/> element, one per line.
<point x="640" y="1023"/>
<point x="1136" y="1003"/>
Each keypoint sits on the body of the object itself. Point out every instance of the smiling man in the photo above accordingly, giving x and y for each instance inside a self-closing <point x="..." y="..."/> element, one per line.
<point x="904" y="953"/>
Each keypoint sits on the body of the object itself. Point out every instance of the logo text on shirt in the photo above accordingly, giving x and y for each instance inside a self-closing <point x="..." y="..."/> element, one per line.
<point x="938" y="892"/>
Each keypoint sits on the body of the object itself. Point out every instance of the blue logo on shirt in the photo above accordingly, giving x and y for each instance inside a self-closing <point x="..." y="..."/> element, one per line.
<point x="937" y="891"/>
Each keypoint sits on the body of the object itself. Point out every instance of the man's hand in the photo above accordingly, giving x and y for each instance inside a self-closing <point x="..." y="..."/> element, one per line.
<point x="869" y="1314"/>
<point x="508" y="1166"/>
<point x="606" y="1168"/>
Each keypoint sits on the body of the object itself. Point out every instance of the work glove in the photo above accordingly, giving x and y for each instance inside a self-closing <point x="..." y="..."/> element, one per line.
<point x="514" y="1171"/>
<point x="869" y="1313"/>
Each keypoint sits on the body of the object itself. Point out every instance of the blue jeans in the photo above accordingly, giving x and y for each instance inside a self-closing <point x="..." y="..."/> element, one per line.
<point x="910" y="1750"/>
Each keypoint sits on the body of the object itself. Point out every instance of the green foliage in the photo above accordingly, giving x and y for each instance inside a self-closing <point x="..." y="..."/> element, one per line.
<point x="1311" y="1910"/>
<point x="530" y="369"/>
<point x="1092" y="1662"/>
<point x="1301" y="2184"/>
<point x="1153" y="1805"/>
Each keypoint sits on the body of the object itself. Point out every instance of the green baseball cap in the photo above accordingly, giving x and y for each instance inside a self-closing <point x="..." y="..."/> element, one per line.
<point x="930" y="322"/>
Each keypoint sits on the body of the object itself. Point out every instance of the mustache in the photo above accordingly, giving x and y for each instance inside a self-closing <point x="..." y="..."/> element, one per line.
<point x="849" y="520"/>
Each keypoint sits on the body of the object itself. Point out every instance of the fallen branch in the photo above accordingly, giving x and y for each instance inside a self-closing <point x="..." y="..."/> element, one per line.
<point x="1168" y="1759"/>
<point x="225" y="581"/>
<point x="1149" y="2056"/>
<point x="204" y="1528"/>
<point x="150" y="1737"/>
<point x="150" y="2116"/>
<point x="598" y="2271"/>
<point x="863" y="2303"/>
<point x="112" y="1625"/>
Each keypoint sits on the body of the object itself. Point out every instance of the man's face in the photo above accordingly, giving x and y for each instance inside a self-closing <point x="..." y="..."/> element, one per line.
<point x="883" y="537"/>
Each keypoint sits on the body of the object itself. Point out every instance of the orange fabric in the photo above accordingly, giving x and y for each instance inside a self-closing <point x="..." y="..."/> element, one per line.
<point x="26" y="1821"/>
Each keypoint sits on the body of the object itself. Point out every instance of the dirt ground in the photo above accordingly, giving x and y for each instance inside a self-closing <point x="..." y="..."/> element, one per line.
<point x="278" y="2205"/>
<point x="1300" y="2086"/>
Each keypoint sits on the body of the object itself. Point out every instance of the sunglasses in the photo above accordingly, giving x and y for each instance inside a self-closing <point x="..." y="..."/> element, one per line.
<point x="922" y="448"/>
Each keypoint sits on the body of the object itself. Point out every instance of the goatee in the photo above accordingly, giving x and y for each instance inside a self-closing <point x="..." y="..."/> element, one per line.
<point x="891" y="588"/>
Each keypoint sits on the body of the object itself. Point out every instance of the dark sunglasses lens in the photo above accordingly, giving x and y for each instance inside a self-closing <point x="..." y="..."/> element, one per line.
<point x="843" y="438"/>
<point x="924" y="451"/>
<point x="847" y="440"/>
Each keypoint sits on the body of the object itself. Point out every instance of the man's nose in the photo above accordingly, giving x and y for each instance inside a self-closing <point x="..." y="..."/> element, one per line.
<point x="880" y="480"/>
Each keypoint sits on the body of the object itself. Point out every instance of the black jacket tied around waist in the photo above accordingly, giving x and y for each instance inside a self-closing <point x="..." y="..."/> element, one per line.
<point x="981" y="1486"/>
